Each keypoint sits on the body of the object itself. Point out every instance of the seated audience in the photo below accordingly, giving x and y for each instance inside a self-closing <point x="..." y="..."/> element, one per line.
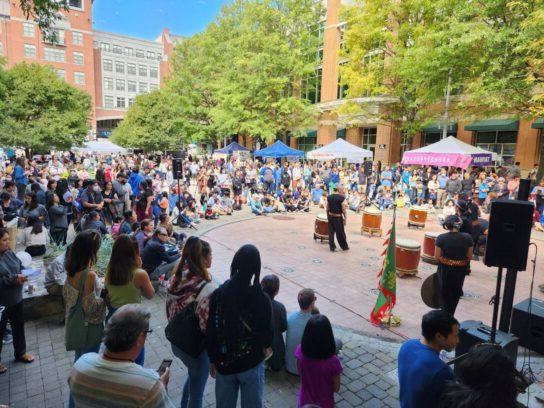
<point x="422" y="374"/>
<point x="36" y="237"/>
<point x="155" y="260"/>
<point x="92" y="221"/>
<point x="112" y="378"/>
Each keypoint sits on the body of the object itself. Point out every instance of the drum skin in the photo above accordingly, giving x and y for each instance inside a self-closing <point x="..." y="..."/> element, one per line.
<point x="417" y="216"/>
<point x="372" y="219"/>
<point x="429" y="247"/>
<point x="321" y="228"/>
<point x="407" y="253"/>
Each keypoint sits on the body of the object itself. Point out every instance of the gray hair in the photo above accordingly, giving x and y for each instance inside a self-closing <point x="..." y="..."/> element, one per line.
<point x="124" y="327"/>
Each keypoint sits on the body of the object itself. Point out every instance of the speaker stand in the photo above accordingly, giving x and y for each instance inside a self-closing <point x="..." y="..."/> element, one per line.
<point x="496" y="300"/>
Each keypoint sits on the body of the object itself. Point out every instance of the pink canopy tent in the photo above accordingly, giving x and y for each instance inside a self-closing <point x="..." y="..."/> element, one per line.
<point x="450" y="152"/>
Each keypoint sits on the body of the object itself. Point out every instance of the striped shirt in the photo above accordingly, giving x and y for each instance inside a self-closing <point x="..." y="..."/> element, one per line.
<point x="97" y="382"/>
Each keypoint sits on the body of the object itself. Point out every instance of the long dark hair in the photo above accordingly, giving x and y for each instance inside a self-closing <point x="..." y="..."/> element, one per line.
<point x="33" y="200"/>
<point x="36" y="224"/>
<point x="318" y="341"/>
<point x="192" y="259"/>
<point x="123" y="261"/>
<point x="82" y="252"/>
<point x="486" y="379"/>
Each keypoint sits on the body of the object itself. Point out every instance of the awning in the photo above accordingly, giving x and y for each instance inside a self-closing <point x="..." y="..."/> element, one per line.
<point x="437" y="128"/>
<point x="538" y="124"/>
<point x="494" y="125"/>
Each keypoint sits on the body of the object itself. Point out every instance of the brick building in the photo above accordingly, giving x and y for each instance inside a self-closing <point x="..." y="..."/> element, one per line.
<point x="112" y="68"/>
<point x="516" y="141"/>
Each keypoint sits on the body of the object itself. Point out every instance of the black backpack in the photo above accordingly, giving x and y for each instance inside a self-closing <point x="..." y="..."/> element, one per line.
<point x="285" y="177"/>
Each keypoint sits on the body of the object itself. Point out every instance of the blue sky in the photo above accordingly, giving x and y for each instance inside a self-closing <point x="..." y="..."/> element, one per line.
<point x="147" y="18"/>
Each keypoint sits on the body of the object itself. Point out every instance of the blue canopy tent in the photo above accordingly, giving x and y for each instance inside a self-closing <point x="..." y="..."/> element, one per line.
<point x="278" y="150"/>
<point x="231" y="148"/>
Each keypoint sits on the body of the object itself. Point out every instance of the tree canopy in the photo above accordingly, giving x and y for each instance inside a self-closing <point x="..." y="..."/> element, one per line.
<point x="44" y="12"/>
<point x="41" y="111"/>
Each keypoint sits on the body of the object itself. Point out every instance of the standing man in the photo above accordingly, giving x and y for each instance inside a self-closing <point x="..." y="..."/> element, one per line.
<point x="441" y="194"/>
<point x="337" y="216"/>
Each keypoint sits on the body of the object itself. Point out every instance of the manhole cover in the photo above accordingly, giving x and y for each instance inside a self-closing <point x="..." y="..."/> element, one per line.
<point x="317" y="261"/>
<point x="469" y="295"/>
<point x="283" y="217"/>
<point x="288" y="270"/>
<point x="374" y="292"/>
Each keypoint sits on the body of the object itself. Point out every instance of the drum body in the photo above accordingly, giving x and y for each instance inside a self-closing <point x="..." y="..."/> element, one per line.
<point x="407" y="253"/>
<point x="417" y="217"/>
<point x="321" y="227"/>
<point x="427" y="254"/>
<point x="372" y="221"/>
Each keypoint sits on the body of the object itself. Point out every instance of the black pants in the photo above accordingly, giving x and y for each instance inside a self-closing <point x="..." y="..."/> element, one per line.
<point x="336" y="225"/>
<point x="14" y="314"/>
<point x="450" y="283"/>
<point x="36" y="250"/>
<point x="59" y="236"/>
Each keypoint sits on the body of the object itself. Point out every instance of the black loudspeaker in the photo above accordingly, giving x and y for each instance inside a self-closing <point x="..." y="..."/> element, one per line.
<point x="509" y="233"/>
<point x="473" y="332"/>
<point x="368" y="167"/>
<point x="529" y="327"/>
<point x="177" y="164"/>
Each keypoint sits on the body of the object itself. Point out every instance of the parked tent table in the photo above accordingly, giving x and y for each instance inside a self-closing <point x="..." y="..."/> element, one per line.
<point x="101" y="146"/>
<point x="278" y="150"/>
<point x="340" y="149"/>
<point x="231" y="148"/>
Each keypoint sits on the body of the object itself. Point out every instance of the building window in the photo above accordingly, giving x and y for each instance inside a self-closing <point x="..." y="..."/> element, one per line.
<point x="119" y="67"/>
<point x="150" y="55"/>
<point x="129" y="51"/>
<point x="108" y="101"/>
<point x="130" y="102"/>
<point x="79" y="78"/>
<point x="131" y="69"/>
<point x="30" y="51"/>
<point x="77" y="38"/>
<point x="430" y="138"/>
<point x="57" y="37"/>
<point x="502" y="143"/>
<point x="61" y="73"/>
<point x="159" y="56"/>
<point x="78" y="58"/>
<point x="120" y="102"/>
<point x="153" y="72"/>
<point x="143" y="87"/>
<point x="369" y="139"/>
<point x="307" y="143"/>
<point x="140" y="53"/>
<point x="107" y="65"/>
<point x="119" y="84"/>
<point x="76" y="4"/>
<point x="132" y="86"/>
<point x="54" y="55"/>
<point x="142" y="70"/>
<point x="117" y="49"/>
<point x="28" y="30"/>
<point x="311" y="88"/>
<point x="108" y="84"/>
<point x="153" y="87"/>
<point x="105" y="47"/>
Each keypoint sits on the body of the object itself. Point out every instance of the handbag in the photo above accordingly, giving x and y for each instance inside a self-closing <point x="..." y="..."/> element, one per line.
<point x="183" y="329"/>
<point x="79" y="334"/>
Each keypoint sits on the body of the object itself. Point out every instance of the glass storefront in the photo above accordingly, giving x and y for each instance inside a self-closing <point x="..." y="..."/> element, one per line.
<point x="500" y="142"/>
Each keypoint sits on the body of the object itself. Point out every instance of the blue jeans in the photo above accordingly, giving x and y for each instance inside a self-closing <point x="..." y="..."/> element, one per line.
<point x="250" y="383"/>
<point x="141" y="357"/>
<point x="198" y="371"/>
<point x="78" y="354"/>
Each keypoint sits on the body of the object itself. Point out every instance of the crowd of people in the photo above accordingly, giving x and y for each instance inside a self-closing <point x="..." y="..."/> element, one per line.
<point x="235" y="329"/>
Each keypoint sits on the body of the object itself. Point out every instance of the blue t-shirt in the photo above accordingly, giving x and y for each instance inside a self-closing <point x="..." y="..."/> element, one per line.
<point x="317" y="193"/>
<point x="482" y="190"/>
<point x="422" y="375"/>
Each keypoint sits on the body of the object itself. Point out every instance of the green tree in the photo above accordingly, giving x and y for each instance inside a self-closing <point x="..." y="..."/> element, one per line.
<point x="44" y="12"/>
<point x="154" y="122"/>
<point x="41" y="111"/>
<point x="245" y="77"/>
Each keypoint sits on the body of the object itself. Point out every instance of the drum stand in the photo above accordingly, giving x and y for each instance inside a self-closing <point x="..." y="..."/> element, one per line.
<point x="371" y="231"/>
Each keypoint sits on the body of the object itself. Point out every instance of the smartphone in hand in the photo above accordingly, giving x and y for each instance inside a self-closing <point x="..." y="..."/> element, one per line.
<point x="166" y="363"/>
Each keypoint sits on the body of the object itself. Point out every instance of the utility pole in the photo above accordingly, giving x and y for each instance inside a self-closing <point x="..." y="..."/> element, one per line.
<point x="447" y="111"/>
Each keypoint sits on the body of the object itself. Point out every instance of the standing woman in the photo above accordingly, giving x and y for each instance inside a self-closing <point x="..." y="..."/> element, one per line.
<point x="239" y="330"/>
<point x="19" y="176"/>
<point x="11" y="297"/>
<point x="32" y="208"/>
<point x="192" y="282"/>
<point x="454" y="252"/>
<point x="125" y="280"/>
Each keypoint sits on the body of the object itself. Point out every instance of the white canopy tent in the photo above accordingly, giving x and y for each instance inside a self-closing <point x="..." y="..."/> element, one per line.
<point x="101" y="146"/>
<point x="340" y="149"/>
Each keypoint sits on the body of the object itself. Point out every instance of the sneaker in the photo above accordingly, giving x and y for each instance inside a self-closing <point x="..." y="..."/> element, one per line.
<point x="8" y="339"/>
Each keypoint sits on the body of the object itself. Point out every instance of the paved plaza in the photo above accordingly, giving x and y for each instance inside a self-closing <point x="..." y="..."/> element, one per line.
<point x="345" y="284"/>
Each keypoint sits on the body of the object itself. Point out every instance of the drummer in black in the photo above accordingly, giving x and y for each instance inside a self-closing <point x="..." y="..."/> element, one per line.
<point x="337" y="216"/>
<point x="454" y="252"/>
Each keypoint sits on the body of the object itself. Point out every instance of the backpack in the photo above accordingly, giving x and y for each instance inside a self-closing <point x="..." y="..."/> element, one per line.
<point x="183" y="329"/>
<point x="285" y="177"/>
